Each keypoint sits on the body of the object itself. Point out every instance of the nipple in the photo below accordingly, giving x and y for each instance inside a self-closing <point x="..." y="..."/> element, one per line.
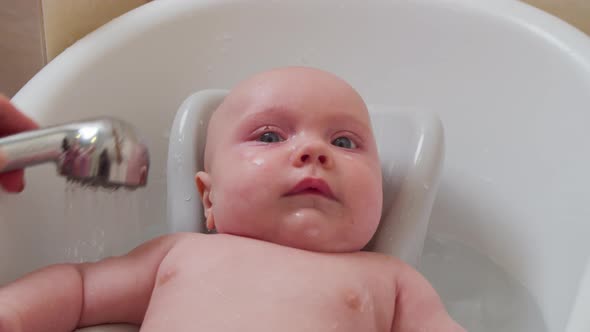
<point x="312" y="232"/>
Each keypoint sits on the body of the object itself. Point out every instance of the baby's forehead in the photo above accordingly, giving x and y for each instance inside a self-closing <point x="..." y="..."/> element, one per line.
<point x="317" y="93"/>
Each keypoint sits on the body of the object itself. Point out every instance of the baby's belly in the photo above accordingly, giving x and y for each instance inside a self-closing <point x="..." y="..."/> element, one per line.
<point x="256" y="287"/>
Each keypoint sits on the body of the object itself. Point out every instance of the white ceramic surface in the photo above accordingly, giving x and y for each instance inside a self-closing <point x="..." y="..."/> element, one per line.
<point x="510" y="84"/>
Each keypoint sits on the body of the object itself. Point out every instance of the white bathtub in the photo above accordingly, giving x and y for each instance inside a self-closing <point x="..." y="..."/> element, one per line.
<point x="510" y="83"/>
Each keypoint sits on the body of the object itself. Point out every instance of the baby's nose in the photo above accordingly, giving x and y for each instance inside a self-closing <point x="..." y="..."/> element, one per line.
<point x="313" y="153"/>
<point x="306" y="157"/>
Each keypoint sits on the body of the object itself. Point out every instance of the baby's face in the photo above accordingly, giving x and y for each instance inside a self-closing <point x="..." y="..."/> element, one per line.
<point x="291" y="159"/>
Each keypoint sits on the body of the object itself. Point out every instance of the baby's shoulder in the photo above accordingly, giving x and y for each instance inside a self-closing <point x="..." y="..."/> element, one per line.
<point x="191" y="244"/>
<point x="384" y="264"/>
<point x="185" y="240"/>
<point x="381" y="260"/>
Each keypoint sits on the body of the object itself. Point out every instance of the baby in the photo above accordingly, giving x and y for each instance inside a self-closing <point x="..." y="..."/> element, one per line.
<point x="292" y="185"/>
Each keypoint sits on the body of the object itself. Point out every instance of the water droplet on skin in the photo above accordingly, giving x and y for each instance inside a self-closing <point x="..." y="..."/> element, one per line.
<point x="258" y="161"/>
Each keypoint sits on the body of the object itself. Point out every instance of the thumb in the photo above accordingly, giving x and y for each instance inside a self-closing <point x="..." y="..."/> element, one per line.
<point x="13" y="181"/>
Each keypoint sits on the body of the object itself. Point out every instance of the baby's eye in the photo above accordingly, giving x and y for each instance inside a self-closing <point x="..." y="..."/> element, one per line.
<point x="270" y="137"/>
<point x="344" y="142"/>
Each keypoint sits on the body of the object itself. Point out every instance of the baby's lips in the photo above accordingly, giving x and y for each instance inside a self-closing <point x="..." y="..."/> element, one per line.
<point x="310" y="185"/>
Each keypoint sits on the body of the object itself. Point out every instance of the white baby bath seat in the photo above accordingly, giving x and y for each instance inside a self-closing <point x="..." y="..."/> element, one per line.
<point x="410" y="144"/>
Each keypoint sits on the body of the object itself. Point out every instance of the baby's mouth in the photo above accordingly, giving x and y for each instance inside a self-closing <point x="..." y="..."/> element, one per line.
<point x="312" y="186"/>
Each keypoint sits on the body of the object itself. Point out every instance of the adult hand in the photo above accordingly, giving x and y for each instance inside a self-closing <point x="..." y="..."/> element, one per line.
<point x="11" y="122"/>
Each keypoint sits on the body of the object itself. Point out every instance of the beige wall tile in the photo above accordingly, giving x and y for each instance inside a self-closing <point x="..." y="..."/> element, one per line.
<point x="32" y="32"/>
<point x="21" y="44"/>
<point x="66" y="21"/>
<point x="575" y="12"/>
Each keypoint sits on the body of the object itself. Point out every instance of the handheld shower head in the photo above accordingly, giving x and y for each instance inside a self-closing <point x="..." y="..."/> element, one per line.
<point x="103" y="152"/>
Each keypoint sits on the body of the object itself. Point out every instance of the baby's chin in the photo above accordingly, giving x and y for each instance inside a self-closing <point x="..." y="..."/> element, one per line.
<point x="317" y="245"/>
<point x="315" y="230"/>
<point x="304" y="228"/>
<point x="315" y="235"/>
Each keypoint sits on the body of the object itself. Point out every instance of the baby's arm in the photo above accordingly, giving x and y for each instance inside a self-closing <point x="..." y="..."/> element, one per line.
<point x="65" y="296"/>
<point x="418" y="307"/>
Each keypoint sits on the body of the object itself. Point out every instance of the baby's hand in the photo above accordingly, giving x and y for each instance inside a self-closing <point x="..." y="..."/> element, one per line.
<point x="11" y="122"/>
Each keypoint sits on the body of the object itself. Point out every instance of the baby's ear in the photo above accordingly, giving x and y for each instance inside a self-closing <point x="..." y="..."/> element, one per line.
<point x="203" y="181"/>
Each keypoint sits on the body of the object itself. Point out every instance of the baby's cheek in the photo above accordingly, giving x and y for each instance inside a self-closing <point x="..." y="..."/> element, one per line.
<point x="245" y="189"/>
<point x="230" y="206"/>
<point x="237" y="191"/>
<point x="258" y="165"/>
<point x="367" y="197"/>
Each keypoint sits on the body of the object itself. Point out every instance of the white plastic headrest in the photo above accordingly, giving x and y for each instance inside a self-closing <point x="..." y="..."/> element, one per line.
<point x="411" y="149"/>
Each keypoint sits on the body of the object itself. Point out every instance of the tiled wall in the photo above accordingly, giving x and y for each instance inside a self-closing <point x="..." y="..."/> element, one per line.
<point x="21" y="43"/>
<point x="66" y="21"/>
<point x="35" y="31"/>
<point x="575" y="12"/>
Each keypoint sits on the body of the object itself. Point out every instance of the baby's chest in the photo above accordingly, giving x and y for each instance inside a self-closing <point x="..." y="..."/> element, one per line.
<point x="312" y="288"/>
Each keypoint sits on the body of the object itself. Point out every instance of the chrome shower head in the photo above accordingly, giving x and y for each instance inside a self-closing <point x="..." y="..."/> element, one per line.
<point x="104" y="152"/>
